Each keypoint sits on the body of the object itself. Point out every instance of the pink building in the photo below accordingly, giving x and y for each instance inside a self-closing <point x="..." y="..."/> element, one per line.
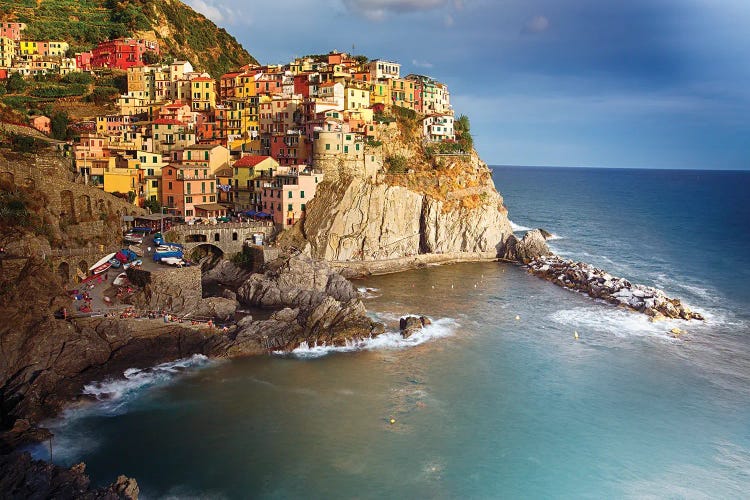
<point x="286" y="195"/>
<point x="12" y="30"/>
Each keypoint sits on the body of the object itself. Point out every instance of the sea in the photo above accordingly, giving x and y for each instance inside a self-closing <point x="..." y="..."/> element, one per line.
<point x="496" y="398"/>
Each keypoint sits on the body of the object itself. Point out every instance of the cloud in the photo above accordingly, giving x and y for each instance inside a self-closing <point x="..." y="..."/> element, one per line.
<point x="219" y="13"/>
<point x="421" y="64"/>
<point x="537" y="24"/>
<point x="376" y="10"/>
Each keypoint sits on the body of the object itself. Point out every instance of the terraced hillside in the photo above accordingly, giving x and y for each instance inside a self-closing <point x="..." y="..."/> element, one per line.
<point x="182" y="32"/>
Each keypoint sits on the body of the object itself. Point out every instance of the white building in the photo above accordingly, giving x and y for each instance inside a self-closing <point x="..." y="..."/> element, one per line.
<point x="438" y="128"/>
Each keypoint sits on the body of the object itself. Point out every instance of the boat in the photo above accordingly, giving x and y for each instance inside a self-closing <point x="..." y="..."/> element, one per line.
<point x="98" y="267"/>
<point x="114" y="262"/>
<point x="163" y="255"/>
<point x="136" y="263"/>
<point x="122" y="279"/>
<point x="133" y="238"/>
<point x="173" y="261"/>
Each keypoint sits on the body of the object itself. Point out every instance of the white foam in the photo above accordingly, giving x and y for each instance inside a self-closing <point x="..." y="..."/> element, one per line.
<point x="440" y="328"/>
<point x="553" y="237"/>
<point x="368" y="292"/>
<point x="612" y="321"/>
<point x="516" y="227"/>
<point x="134" y="379"/>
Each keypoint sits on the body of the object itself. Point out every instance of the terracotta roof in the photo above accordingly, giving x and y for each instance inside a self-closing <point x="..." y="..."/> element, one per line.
<point x="224" y="172"/>
<point x="250" y="161"/>
<point x="202" y="79"/>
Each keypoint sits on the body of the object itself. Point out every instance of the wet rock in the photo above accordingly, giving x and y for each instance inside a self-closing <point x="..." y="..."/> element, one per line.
<point x="546" y="234"/>
<point x="409" y="325"/>
<point x="599" y="284"/>
<point x="532" y="246"/>
<point x="215" y="308"/>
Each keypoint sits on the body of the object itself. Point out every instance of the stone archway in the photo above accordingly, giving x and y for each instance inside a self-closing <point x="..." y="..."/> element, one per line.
<point x="67" y="207"/>
<point x="101" y="206"/>
<point x="63" y="270"/>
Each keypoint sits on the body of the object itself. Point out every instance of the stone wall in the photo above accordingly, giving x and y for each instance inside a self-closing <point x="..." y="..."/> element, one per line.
<point x="229" y="238"/>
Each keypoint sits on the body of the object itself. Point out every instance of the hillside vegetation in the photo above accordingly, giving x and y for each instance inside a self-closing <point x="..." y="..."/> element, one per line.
<point x="181" y="32"/>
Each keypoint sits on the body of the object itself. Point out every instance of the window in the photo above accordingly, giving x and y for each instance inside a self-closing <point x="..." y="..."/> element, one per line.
<point x="289" y="208"/>
<point x="188" y="199"/>
<point x="169" y="185"/>
<point x="188" y="187"/>
<point x="188" y="213"/>
<point x="279" y="205"/>
<point x="155" y="184"/>
<point x="301" y="194"/>
<point x="203" y="187"/>
<point x="328" y="147"/>
<point x="290" y="194"/>
<point x="303" y="207"/>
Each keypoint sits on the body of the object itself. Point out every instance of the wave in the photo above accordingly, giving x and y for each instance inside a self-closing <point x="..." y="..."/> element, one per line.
<point x="135" y="379"/>
<point x="368" y="292"/>
<point x="616" y="322"/>
<point x="440" y="328"/>
<point x="516" y="228"/>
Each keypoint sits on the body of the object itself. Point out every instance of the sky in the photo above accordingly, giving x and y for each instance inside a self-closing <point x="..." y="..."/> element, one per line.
<point x="596" y="83"/>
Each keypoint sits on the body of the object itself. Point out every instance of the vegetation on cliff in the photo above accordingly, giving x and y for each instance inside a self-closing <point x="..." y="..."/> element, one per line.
<point x="181" y="32"/>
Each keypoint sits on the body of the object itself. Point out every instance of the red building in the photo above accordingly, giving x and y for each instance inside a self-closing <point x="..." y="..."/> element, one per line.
<point x="83" y="60"/>
<point x="122" y="53"/>
<point x="302" y="84"/>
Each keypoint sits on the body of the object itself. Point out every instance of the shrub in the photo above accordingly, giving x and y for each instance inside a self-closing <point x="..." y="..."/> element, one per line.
<point x="397" y="164"/>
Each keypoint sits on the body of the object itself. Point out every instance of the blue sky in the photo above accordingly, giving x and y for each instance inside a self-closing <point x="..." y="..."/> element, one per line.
<point x="603" y="83"/>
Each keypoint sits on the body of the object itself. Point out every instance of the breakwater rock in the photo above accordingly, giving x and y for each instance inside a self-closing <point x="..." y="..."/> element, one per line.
<point x="599" y="284"/>
<point x="532" y="245"/>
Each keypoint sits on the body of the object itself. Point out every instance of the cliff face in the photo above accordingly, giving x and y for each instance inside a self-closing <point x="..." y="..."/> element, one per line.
<point x="436" y="204"/>
<point x="366" y="220"/>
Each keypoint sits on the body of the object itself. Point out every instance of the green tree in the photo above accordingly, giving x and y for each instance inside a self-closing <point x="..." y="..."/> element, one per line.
<point x="151" y="57"/>
<point x="153" y="205"/>
<point x="59" y="125"/>
<point x="16" y="84"/>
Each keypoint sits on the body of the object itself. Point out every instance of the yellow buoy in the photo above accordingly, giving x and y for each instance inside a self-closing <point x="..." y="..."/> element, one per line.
<point x="393" y="421"/>
<point x="518" y="317"/>
<point x="575" y="335"/>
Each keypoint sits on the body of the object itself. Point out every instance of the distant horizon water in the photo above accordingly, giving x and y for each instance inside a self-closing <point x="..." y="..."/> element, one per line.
<point x="496" y="399"/>
<point x="580" y="167"/>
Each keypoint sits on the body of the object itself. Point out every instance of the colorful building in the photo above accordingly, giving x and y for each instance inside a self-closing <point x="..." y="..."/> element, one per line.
<point x="122" y="53"/>
<point x="286" y="195"/>
<point x="246" y="171"/>
<point x="203" y="93"/>
<point x="41" y="123"/>
<point x="12" y="30"/>
<point x="185" y="189"/>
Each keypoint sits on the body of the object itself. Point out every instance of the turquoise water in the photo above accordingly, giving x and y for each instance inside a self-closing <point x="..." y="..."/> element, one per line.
<point x="485" y="405"/>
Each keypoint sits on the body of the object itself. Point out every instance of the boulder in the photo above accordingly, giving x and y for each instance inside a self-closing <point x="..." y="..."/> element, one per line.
<point x="215" y="307"/>
<point x="532" y="246"/>
<point x="409" y="325"/>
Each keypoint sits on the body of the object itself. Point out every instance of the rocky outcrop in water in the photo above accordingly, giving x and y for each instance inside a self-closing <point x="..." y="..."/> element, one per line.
<point x="599" y="284"/>
<point x="23" y="477"/>
<point x="317" y="305"/>
<point x="409" y="325"/>
<point x="531" y="246"/>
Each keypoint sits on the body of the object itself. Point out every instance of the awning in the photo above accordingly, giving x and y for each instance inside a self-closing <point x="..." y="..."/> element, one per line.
<point x="211" y="207"/>
<point x="263" y="214"/>
<point x="249" y="213"/>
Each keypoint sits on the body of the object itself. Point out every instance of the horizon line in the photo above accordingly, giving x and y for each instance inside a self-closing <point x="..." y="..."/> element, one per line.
<point x="588" y="167"/>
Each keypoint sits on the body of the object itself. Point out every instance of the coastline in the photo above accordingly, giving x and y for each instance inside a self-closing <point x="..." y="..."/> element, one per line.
<point x="361" y="269"/>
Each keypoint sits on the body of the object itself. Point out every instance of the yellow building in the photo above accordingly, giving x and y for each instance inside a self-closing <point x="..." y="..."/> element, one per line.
<point x="7" y="51"/>
<point x="245" y="173"/>
<point x="402" y="92"/>
<point x="27" y="48"/>
<point x="380" y="93"/>
<point x="356" y="96"/>
<point x="151" y="164"/>
<point x="203" y="93"/>
<point x="125" y="178"/>
<point x="206" y="155"/>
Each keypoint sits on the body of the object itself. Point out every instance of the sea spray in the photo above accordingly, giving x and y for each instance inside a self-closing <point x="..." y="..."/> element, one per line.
<point x="442" y="327"/>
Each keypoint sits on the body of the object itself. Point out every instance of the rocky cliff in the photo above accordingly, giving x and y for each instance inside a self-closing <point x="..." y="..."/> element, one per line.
<point x="438" y="204"/>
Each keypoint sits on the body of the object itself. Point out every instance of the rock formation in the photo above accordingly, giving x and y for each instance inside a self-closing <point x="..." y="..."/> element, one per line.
<point x="409" y="325"/>
<point x="599" y="284"/>
<point x="23" y="477"/>
<point x="530" y="247"/>
<point x="317" y="305"/>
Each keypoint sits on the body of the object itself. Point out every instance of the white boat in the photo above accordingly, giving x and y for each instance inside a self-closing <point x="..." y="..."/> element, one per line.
<point x="100" y="263"/>
<point x="173" y="261"/>
<point x="122" y="279"/>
